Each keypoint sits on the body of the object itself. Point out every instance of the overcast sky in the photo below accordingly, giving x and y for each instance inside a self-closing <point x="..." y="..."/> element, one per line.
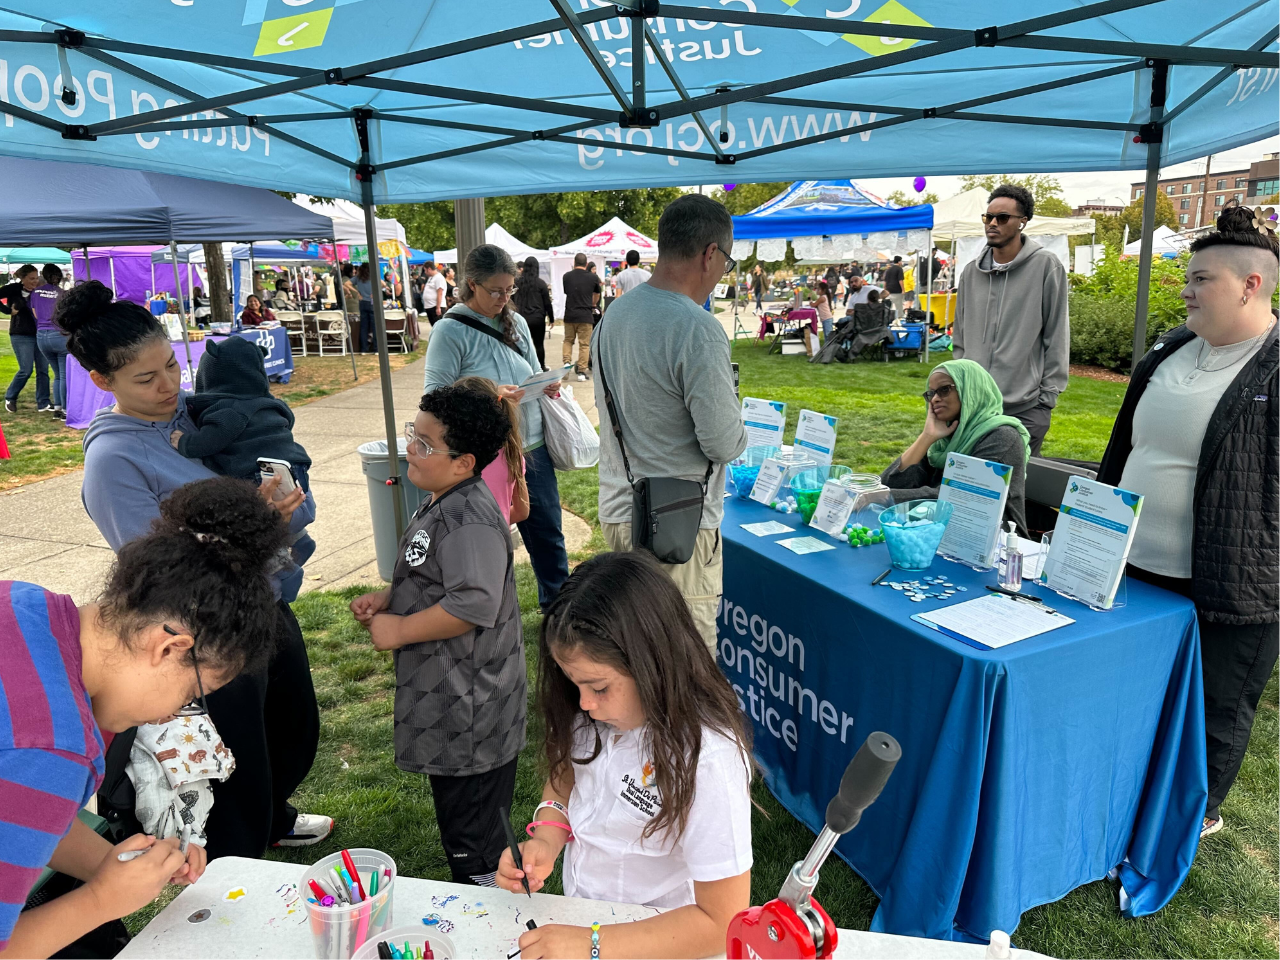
<point x="1080" y="188"/>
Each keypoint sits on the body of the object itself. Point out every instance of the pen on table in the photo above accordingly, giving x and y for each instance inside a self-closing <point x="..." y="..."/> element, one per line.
<point x="882" y="576"/>
<point x="1023" y="597"/>
<point x="532" y="926"/>
<point x="505" y="816"/>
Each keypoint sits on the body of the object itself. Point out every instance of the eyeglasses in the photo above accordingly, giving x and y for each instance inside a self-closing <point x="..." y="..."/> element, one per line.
<point x="943" y="391"/>
<point x="505" y="294"/>
<point x="420" y="447"/>
<point x="729" y="262"/>
<point x="1000" y="218"/>
<point x="197" y="707"/>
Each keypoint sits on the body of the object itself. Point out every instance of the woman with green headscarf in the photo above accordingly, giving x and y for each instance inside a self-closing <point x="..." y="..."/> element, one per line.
<point x="965" y="414"/>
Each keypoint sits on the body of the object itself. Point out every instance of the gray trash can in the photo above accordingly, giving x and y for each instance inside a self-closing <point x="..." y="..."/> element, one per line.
<point x="373" y="462"/>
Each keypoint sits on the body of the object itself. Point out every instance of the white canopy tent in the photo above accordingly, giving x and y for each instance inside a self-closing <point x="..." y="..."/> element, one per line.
<point x="1164" y="243"/>
<point x="348" y="221"/>
<point x="961" y="216"/>
<point x="602" y="245"/>
<point x="520" y="251"/>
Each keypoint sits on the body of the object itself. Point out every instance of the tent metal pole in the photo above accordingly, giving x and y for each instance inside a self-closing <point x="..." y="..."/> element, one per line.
<point x="366" y="174"/>
<point x="111" y="265"/>
<point x="928" y="291"/>
<point x="1153" y="135"/>
<point x="88" y="268"/>
<point x="177" y="286"/>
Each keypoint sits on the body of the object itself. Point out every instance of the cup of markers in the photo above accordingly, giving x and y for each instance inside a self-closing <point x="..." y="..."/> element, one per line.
<point x="348" y="899"/>
<point x="414" y="942"/>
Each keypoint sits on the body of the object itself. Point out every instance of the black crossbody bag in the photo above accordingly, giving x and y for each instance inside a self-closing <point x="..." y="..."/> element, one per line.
<point x="666" y="512"/>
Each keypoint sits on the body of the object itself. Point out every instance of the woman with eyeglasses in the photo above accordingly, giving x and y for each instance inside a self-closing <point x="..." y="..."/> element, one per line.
<point x="482" y="336"/>
<point x="187" y="607"/>
<point x="268" y="718"/>
<point x="963" y="414"/>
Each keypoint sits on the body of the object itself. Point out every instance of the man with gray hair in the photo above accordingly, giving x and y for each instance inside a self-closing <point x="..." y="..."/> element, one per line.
<point x="666" y="362"/>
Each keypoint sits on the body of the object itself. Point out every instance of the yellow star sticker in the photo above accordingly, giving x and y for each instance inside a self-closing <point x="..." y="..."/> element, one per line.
<point x="234" y="895"/>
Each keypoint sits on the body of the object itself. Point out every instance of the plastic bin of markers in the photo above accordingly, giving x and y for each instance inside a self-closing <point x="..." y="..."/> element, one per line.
<point x="913" y="530"/>
<point x="339" y="931"/>
<point x="441" y="946"/>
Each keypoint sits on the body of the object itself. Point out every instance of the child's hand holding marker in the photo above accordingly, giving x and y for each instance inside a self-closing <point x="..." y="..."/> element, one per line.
<point x="539" y="860"/>
<point x="134" y="873"/>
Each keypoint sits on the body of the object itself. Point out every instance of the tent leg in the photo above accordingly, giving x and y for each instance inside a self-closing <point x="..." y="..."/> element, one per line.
<point x="88" y="268"/>
<point x="928" y="292"/>
<point x="111" y="263"/>
<point x="1159" y="82"/>
<point x="177" y="286"/>
<point x="384" y="361"/>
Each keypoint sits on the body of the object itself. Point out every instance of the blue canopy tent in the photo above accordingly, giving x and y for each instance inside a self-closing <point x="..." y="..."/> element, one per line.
<point x="810" y="208"/>
<point x="325" y="100"/>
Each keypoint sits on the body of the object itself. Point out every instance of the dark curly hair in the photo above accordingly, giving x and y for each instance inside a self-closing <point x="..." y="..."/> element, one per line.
<point x="623" y="610"/>
<point x="105" y="333"/>
<point x="1236" y="229"/>
<point x="1019" y="195"/>
<point x="474" y="422"/>
<point x="204" y="564"/>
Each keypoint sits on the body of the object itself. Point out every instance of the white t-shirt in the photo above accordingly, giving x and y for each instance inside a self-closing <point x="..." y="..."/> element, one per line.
<point x="629" y="279"/>
<point x="863" y="292"/>
<point x="614" y="797"/>
<point x="430" y="299"/>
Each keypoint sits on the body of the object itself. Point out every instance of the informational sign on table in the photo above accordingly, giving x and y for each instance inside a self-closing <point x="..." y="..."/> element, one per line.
<point x="1091" y="541"/>
<point x="977" y="491"/>
<point x="768" y="481"/>
<point x="763" y="420"/>
<point x="816" y="435"/>
<point x="835" y="506"/>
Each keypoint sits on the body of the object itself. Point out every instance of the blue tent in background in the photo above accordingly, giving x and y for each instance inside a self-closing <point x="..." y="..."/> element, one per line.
<point x="827" y="207"/>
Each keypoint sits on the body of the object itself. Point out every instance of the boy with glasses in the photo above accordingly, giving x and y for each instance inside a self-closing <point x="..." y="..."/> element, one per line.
<point x="452" y="620"/>
<point x="1011" y="314"/>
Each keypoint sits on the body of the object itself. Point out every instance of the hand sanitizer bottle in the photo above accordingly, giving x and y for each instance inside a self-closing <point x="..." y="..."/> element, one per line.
<point x="1011" y="571"/>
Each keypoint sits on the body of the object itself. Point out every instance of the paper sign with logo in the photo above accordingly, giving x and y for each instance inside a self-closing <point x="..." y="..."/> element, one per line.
<point x="977" y="491"/>
<point x="1091" y="541"/>
<point x="764" y="420"/>
<point x="816" y="435"/>
<point x="835" y="507"/>
<point x="768" y="481"/>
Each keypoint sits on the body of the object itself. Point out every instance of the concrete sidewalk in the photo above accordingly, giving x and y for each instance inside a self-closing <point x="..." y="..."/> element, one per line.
<point x="47" y="538"/>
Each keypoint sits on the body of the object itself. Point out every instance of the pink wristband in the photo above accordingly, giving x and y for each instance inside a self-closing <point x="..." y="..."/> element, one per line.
<point x="549" y="823"/>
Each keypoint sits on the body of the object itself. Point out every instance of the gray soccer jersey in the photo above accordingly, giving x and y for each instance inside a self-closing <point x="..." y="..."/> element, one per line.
<point x="460" y="703"/>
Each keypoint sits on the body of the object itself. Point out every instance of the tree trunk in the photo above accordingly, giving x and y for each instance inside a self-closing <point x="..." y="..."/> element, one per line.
<point x="219" y="298"/>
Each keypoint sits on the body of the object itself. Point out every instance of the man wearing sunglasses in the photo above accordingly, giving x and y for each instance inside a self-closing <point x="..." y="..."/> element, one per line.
<point x="1011" y="314"/>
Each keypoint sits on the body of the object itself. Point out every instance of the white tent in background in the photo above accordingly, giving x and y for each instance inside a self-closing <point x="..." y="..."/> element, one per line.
<point x="348" y="221"/>
<point x="496" y="234"/>
<point x="1164" y="243"/>
<point x="611" y="242"/>
<point x="961" y="216"/>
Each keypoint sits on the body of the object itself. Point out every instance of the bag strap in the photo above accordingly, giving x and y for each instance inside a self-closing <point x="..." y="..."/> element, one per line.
<point x="616" y="422"/>
<point x="484" y="328"/>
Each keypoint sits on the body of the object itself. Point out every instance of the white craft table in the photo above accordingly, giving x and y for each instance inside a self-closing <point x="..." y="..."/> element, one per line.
<point x="249" y="916"/>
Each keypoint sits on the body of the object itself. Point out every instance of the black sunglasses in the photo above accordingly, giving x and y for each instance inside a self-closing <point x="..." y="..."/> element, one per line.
<point x="1000" y="218"/>
<point x="198" y="706"/>
<point x="943" y="391"/>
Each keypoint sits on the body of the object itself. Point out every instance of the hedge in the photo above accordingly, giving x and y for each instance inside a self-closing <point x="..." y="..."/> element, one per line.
<point x="1102" y="330"/>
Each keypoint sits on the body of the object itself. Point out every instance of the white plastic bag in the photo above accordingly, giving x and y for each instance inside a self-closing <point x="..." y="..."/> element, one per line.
<point x="570" y="438"/>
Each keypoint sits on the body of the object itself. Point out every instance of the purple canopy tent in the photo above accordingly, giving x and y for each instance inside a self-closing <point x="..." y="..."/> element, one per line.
<point x="132" y="274"/>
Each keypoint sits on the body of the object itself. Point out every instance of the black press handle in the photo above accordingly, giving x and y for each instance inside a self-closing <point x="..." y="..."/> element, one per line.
<point x="863" y="780"/>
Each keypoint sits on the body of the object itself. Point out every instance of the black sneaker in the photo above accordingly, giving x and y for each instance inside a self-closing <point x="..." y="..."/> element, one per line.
<point x="47" y="408"/>
<point x="10" y="406"/>
<point x="59" y="414"/>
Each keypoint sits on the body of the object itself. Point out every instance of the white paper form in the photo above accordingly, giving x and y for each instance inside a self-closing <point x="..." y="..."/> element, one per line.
<point x="766" y="529"/>
<point x="1091" y="541"/>
<point x="803" y="545"/>
<point x="816" y="435"/>
<point x="835" y="506"/>
<point x="768" y="481"/>
<point x="535" y="383"/>
<point x="994" y="620"/>
<point x="977" y="491"/>
<point x="763" y="420"/>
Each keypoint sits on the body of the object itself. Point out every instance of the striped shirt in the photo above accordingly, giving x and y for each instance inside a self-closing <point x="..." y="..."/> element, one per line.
<point x="51" y="752"/>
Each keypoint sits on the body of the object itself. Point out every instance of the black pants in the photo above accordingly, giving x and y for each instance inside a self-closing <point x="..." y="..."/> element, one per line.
<point x="368" y="331"/>
<point x="1036" y="420"/>
<point x="1236" y="660"/>
<point x="538" y="330"/>
<point x="433" y="315"/>
<point x="271" y="723"/>
<point x="470" y="825"/>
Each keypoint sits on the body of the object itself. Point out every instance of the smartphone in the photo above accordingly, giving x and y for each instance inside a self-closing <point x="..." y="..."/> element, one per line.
<point x="278" y="468"/>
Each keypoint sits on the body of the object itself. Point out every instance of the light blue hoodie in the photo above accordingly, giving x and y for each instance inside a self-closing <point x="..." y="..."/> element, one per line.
<point x="130" y="466"/>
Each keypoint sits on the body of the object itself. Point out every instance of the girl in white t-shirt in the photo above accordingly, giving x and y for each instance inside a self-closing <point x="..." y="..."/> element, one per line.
<point x="650" y="770"/>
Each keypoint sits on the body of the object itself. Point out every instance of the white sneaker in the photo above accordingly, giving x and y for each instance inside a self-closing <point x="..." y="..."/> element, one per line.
<point x="582" y="377"/>
<point x="10" y="406"/>
<point x="309" y="828"/>
<point x="1210" y="827"/>
<point x="45" y="409"/>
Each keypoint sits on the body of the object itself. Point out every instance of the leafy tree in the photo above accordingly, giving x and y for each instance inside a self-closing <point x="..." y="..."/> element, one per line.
<point x="901" y="199"/>
<point x="745" y="197"/>
<point x="427" y="226"/>
<point x="1042" y="186"/>
<point x="1111" y="229"/>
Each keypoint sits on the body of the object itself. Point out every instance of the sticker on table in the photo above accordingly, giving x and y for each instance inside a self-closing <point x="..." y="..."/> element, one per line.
<point x="803" y="545"/>
<point x="766" y="529"/>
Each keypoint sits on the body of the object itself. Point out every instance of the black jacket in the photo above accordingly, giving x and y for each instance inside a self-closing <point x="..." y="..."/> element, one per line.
<point x="22" y="322"/>
<point x="1235" y="553"/>
<point x="534" y="304"/>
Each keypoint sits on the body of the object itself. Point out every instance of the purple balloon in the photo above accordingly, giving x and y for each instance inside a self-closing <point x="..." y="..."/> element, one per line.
<point x="919" y="184"/>
<point x="729" y="186"/>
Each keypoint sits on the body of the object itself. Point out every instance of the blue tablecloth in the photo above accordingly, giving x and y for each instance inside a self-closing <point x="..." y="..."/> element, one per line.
<point x="1025" y="772"/>
<point x="275" y="340"/>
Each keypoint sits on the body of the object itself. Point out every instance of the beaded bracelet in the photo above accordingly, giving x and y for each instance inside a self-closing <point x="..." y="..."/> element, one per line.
<point x="549" y="823"/>
<point x="595" y="941"/>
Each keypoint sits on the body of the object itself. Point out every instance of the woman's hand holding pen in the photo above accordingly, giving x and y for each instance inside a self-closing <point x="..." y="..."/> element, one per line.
<point x="539" y="860"/>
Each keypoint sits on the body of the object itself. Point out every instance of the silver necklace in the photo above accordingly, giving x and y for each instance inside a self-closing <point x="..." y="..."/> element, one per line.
<point x="1240" y="356"/>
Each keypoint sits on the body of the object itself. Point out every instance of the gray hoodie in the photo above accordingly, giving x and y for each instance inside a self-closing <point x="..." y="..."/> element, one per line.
<point x="1014" y="322"/>
<point x="130" y="466"/>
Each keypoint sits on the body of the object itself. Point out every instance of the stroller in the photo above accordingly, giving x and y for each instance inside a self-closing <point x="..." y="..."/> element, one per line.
<point x="867" y="327"/>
